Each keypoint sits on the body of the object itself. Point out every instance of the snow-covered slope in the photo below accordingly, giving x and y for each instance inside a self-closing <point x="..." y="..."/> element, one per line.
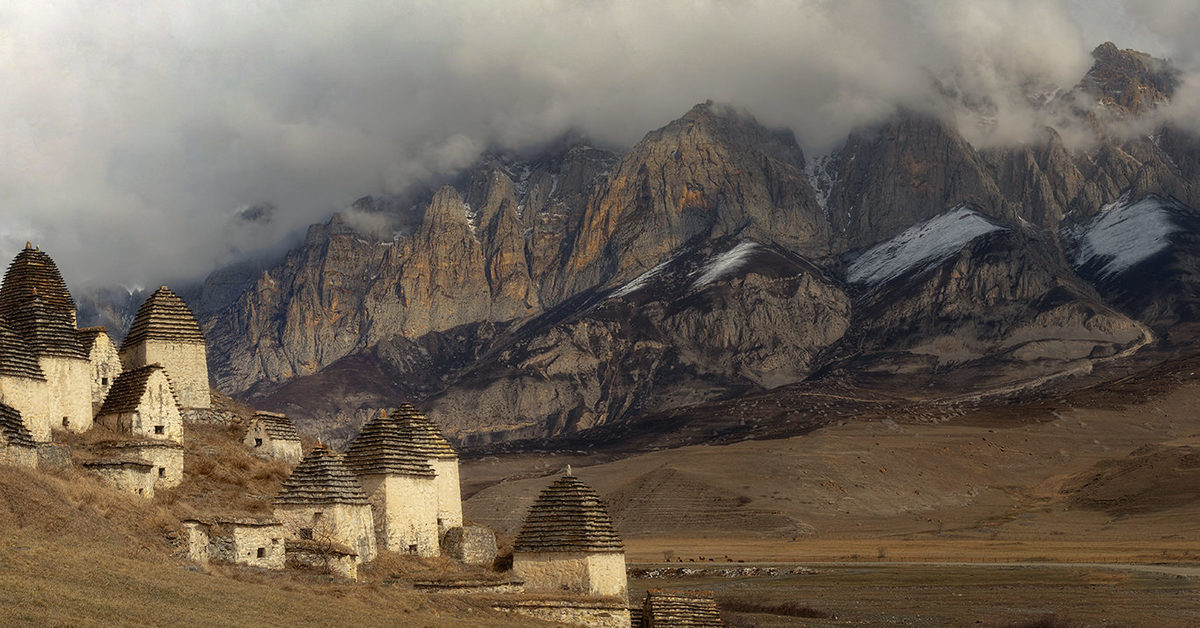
<point x="1124" y="234"/>
<point x="919" y="246"/>
<point x="725" y="263"/>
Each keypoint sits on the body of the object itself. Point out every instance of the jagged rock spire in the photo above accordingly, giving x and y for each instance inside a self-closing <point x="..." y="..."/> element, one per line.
<point x="163" y="316"/>
<point x="321" y="478"/>
<point x="386" y="446"/>
<point x="568" y="517"/>
<point x="13" y="428"/>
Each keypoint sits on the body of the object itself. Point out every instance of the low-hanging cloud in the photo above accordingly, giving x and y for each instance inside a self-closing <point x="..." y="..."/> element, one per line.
<point x="135" y="132"/>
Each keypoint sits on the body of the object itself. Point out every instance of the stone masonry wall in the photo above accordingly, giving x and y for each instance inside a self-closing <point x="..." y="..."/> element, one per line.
<point x="31" y="398"/>
<point x="589" y="573"/>
<point x="349" y="525"/>
<point x="261" y="444"/>
<point x="185" y="364"/>
<point x="405" y="513"/>
<point x="134" y="480"/>
<point x="106" y="367"/>
<point x="69" y="397"/>
<point x="17" y="455"/>
<point x="449" y="493"/>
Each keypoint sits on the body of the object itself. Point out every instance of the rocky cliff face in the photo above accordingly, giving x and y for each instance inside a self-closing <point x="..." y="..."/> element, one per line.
<point x="545" y="295"/>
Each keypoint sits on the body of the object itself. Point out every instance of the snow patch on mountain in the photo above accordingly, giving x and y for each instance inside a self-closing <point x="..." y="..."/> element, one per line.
<point x="639" y="282"/>
<point x="920" y="246"/>
<point x="1124" y="234"/>
<point x="725" y="263"/>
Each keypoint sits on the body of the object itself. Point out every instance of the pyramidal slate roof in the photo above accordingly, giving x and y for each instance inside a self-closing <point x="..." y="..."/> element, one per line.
<point x="321" y="478"/>
<point x="88" y="335"/>
<point x="278" y="426"/>
<point x="126" y="392"/>
<point x="567" y="517"/>
<point x="680" y="608"/>
<point x="16" y="359"/>
<point x="33" y="272"/>
<point x="384" y="445"/>
<point x="423" y="436"/>
<point x="14" y="428"/>
<point x="45" y="331"/>
<point x="163" y="316"/>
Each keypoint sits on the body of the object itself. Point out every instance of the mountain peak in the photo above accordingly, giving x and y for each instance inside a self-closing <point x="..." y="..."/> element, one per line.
<point x="1129" y="81"/>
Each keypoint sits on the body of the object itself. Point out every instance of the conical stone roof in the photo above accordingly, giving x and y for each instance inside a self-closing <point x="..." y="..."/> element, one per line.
<point x="13" y="427"/>
<point x="33" y="272"/>
<point x="385" y="446"/>
<point x="278" y="426"/>
<point x="423" y="436"/>
<point x="321" y="478"/>
<point x="127" y="391"/>
<point x="163" y="316"/>
<point x="46" y="332"/>
<point x="567" y="517"/>
<point x="16" y="359"/>
<point x="681" y="608"/>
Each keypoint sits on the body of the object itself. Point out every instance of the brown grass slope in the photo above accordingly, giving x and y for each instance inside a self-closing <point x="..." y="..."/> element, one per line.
<point x="74" y="552"/>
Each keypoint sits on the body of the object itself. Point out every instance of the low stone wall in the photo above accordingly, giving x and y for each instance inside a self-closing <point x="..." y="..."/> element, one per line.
<point x="331" y="558"/>
<point x="208" y="416"/>
<point x="18" y="455"/>
<point x="51" y="456"/>
<point x="471" y="587"/>
<point x="473" y="545"/>
<point x="590" y="613"/>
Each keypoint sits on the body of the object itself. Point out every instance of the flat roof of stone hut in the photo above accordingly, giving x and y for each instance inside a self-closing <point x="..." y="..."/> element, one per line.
<point x="278" y="426"/>
<point x="681" y="608"/>
<point x="126" y="392"/>
<point x="163" y="316"/>
<point x="13" y="427"/>
<point x="423" y="436"/>
<point x="568" y="517"/>
<point x="384" y="446"/>
<point x="117" y="462"/>
<point x="321" y="478"/>
<point x="16" y="358"/>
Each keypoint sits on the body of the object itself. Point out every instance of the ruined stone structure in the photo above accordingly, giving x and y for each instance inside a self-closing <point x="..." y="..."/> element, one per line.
<point x="424" y="439"/>
<point x="667" y="609"/>
<point x="253" y="542"/>
<point x="105" y="361"/>
<point x="165" y="332"/>
<point x="44" y="370"/>
<point x="567" y="543"/>
<point x="142" y="404"/>
<point x="272" y="435"/>
<point x="322" y="501"/>
<point x="17" y="446"/>
<point x="473" y="545"/>
<point x="164" y="457"/>
<point x="399" y="484"/>
<point x="130" y="475"/>
<point x="324" y="557"/>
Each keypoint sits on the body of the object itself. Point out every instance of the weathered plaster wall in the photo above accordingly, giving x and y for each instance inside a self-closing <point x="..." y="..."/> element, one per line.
<point x="449" y="493"/>
<point x="601" y="574"/>
<point x="352" y="526"/>
<point x="259" y="440"/>
<point x="405" y="513"/>
<point x="236" y="543"/>
<point x="30" y="397"/>
<point x="185" y="364"/>
<point x="473" y="545"/>
<point x="167" y="461"/>
<point x="136" y="480"/>
<point x="106" y="366"/>
<point x="156" y="411"/>
<point x="69" y="398"/>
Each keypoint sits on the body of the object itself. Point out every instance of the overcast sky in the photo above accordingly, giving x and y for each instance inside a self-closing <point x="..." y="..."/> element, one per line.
<point x="134" y="131"/>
